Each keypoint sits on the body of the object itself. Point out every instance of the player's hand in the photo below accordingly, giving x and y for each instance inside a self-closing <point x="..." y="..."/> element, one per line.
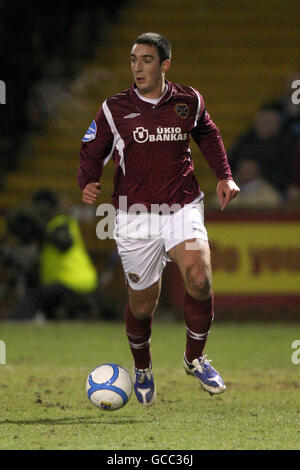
<point x="226" y="190"/>
<point x="91" y="192"/>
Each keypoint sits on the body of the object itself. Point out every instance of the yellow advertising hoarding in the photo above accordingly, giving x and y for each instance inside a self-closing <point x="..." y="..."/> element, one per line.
<point x="255" y="257"/>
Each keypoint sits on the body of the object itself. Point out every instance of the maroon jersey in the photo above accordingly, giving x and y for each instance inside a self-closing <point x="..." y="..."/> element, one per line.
<point x="150" y="146"/>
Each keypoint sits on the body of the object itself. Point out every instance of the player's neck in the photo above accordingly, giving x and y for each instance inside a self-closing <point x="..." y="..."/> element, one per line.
<point x="156" y="93"/>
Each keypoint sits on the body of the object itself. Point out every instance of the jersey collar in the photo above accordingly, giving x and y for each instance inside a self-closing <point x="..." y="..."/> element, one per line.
<point x="144" y="105"/>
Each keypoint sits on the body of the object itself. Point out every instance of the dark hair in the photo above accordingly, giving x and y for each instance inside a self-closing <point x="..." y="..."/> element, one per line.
<point x="162" y="44"/>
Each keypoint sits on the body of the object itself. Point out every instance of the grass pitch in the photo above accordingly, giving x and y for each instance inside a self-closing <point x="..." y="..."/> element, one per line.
<point x="43" y="404"/>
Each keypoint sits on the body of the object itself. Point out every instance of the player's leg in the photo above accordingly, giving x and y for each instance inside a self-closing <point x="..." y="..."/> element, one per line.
<point x="194" y="265"/>
<point x="193" y="259"/>
<point x="143" y="260"/>
<point x="138" y="317"/>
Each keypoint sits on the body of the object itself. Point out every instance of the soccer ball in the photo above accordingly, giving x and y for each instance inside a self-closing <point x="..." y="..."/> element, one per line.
<point x="109" y="386"/>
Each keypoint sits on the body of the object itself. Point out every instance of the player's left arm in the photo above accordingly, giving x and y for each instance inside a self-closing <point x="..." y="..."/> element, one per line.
<point x="207" y="136"/>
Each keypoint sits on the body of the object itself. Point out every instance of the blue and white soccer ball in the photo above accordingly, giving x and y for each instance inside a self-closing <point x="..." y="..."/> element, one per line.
<point x="109" y="386"/>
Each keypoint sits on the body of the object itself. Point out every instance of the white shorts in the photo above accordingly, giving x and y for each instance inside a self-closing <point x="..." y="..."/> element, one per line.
<point x="143" y="240"/>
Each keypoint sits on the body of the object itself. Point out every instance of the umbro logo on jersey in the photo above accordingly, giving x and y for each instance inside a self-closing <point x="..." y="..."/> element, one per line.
<point x="132" y="115"/>
<point x="163" y="134"/>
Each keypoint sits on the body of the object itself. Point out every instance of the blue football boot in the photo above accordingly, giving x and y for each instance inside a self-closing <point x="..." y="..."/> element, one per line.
<point x="144" y="386"/>
<point x="210" y="380"/>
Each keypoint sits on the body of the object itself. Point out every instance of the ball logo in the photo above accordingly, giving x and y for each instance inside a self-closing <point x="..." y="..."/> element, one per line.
<point x="140" y="135"/>
<point x="105" y="405"/>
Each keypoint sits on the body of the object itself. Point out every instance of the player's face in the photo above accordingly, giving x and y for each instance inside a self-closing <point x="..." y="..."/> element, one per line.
<point x="148" y="72"/>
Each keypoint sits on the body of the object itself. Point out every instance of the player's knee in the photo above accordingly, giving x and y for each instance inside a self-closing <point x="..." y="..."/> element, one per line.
<point x="199" y="284"/>
<point x="143" y="310"/>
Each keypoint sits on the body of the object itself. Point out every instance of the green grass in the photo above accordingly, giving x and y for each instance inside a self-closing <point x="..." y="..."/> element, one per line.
<point x="43" y="403"/>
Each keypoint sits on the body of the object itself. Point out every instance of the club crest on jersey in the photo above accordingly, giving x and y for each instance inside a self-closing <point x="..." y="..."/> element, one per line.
<point x="182" y="110"/>
<point x="90" y="133"/>
<point x="134" y="277"/>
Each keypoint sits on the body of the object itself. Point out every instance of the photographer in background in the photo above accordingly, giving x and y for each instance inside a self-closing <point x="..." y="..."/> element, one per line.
<point x="19" y="256"/>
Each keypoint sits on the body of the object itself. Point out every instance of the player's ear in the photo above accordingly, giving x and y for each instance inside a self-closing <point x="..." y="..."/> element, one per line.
<point x="165" y="65"/>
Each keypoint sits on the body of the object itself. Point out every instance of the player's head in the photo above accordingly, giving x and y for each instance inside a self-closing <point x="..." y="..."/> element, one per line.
<point x="150" y="60"/>
<point x="156" y="40"/>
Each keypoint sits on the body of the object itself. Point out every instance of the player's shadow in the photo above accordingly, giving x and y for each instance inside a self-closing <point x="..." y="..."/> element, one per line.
<point x="113" y="420"/>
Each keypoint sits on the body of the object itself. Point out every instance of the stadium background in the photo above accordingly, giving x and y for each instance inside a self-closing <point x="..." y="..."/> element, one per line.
<point x="64" y="61"/>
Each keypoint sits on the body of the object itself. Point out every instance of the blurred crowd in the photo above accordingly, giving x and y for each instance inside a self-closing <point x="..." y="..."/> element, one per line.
<point x="46" y="271"/>
<point x="38" y="63"/>
<point x="265" y="160"/>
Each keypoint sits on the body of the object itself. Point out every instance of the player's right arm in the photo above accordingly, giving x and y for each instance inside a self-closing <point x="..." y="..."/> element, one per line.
<point x="96" y="146"/>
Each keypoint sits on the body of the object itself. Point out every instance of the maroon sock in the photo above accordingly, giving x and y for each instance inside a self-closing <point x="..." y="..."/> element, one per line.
<point x="138" y="334"/>
<point x="198" y="317"/>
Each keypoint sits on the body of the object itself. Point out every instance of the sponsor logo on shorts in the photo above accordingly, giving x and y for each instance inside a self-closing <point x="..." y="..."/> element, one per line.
<point x="134" y="277"/>
<point x="182" y="110"/>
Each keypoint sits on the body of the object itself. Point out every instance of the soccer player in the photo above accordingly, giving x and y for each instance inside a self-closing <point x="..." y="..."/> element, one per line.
<point x="146" y="129"/>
